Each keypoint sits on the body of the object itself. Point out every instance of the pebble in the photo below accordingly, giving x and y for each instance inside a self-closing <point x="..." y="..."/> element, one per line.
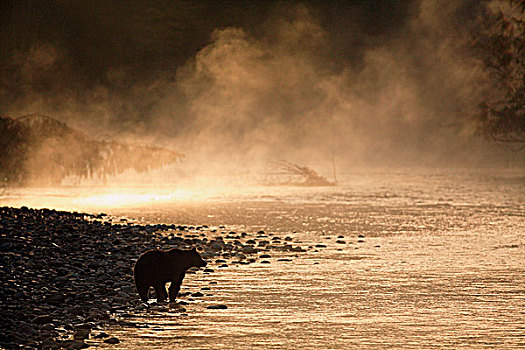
<point x="56" y="298"/>
<point x="73" y="344"/>
<point x="81" y="334"/>
<point x="112" y="340"/>
<point x="158" y="307"/>
<point x="249" y="250"/>
<point x="101" y="335"/>
<point x="42" y="319"/>
<point x="140" y="307"/>
<point x="217" y="307"/>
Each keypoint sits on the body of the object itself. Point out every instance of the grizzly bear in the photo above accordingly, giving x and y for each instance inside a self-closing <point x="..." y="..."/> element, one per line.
<point x="154" y="268"/>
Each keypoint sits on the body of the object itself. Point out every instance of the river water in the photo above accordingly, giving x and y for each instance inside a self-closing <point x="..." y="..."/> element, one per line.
<point x="441" y="264"/>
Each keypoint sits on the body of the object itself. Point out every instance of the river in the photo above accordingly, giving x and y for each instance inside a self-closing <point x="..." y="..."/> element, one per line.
<point x="420" y="259"/>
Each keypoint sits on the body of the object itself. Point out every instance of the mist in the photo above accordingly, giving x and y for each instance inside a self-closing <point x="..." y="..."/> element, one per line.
<point x="235" y="87"/>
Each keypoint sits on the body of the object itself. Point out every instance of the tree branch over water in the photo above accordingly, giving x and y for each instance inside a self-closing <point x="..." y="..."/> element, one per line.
<point x="41" y="150"/>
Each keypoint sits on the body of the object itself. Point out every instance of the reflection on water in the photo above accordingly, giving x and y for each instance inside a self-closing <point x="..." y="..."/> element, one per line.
<point x="441" y="266"/>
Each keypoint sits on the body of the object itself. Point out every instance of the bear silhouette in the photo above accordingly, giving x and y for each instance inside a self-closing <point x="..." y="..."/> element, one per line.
<point x="154" y="268"/>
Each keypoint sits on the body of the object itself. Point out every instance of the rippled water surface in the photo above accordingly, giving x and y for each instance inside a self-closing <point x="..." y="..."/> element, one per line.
<point x="441" y="265"/>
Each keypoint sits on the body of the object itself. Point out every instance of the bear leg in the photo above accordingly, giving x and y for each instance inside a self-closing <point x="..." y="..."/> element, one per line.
<point x="160" y="291"/>
<point x="143" y="292"/>
<point x="175" y="287"/>
<point x="174" y="291"/>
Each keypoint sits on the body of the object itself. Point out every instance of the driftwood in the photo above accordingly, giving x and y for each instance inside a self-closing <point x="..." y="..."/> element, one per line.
<point x="291" y="174"/>
<point x="41" y="150"/>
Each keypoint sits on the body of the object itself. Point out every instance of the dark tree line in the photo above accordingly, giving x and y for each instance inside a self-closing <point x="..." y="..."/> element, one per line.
<point x="13" y="149"/>
<point x="500" y="44"/>
<point x="38" y="149"/>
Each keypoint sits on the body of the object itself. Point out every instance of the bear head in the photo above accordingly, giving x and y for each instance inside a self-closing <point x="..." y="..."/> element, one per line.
<point x="191" y="257"/>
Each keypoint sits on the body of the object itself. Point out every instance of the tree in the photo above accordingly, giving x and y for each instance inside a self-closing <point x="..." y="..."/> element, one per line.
<point x="37" y="149"/>
<point x="13" y="149"/>
<point x="500" y="44"/>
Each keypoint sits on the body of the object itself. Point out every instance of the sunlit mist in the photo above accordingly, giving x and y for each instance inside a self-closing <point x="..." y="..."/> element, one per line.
<point x="260" y="174"/>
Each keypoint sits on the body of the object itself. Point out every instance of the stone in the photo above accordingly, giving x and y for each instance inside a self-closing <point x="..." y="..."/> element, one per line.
<point x="81" y="334"/>
<point x="217" y="307"/>
<point x="49" y="343"/>
<point x="56" y="298"/>
<point x="42" y="319"/>
<point x="73" y="344"/>
<point x="101" y="335"/>
<point x="141" y="307"/>
<point x="82" y="326"/>
<point x="128" y="289"/>
<point x="112" y="340"/>
<point x="249" y="250"/>
<point x="160" y="308"/>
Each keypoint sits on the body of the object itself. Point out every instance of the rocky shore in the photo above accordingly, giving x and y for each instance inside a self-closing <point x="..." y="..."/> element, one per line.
<point x="66" y="276"/>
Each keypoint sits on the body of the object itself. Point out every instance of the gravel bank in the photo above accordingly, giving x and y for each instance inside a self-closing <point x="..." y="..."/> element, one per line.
<point x="68" y="275"/>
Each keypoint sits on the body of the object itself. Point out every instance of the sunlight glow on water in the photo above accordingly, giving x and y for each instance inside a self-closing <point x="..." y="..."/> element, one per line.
<point x="126" y="199"/>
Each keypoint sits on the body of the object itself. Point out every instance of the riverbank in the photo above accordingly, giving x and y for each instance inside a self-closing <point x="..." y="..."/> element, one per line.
<point x="68" y="275"/>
